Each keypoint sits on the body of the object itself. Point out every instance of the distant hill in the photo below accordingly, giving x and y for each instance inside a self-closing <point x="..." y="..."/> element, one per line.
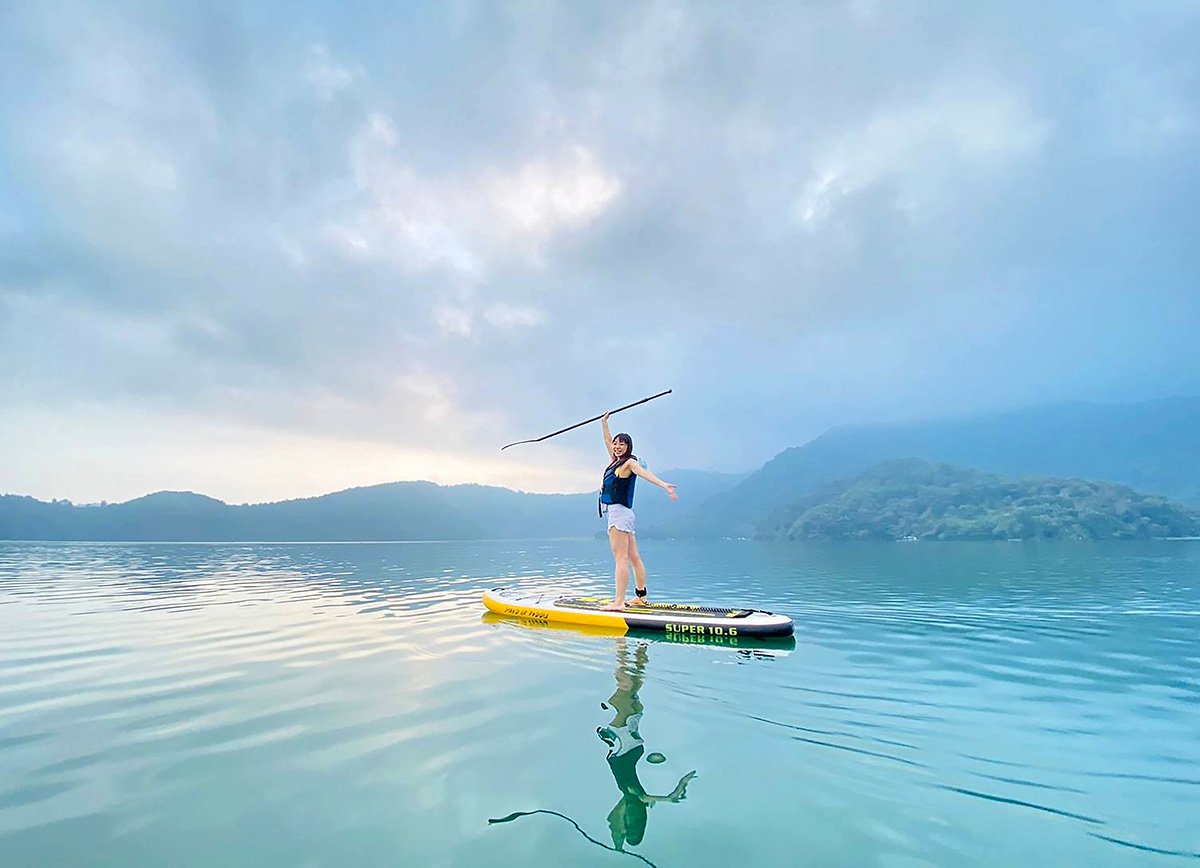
<point x="393" y="511"/>
<point x="1151" y="446"/>
<point x="908" y="498"/>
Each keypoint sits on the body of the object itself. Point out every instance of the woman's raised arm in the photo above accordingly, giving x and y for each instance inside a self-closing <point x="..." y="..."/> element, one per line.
<point x="607" y="437"/>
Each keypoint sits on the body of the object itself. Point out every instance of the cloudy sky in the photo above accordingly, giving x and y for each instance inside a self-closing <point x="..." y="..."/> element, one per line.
<point x="287" y="248"/>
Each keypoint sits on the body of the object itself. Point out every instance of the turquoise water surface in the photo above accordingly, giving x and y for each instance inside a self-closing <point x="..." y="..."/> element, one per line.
<point x="349" y="704"/>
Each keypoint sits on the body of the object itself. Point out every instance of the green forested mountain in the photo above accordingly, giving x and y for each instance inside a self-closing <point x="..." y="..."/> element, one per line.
<point x="908" y="498"/>
<point x="1151" y="446"/>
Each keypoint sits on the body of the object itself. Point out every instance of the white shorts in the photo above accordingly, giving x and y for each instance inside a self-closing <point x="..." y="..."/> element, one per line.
<point x="621" y="517"/>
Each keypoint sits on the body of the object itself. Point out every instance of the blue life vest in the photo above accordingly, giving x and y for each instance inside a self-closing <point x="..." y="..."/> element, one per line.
<point x="616" y="489"/>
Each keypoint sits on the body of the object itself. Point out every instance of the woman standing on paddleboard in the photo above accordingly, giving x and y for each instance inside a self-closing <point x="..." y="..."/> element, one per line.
<point x="616" y="498"/>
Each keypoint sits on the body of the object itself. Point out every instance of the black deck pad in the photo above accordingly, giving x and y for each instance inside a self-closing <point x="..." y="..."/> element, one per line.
<point x="638" y="608"/>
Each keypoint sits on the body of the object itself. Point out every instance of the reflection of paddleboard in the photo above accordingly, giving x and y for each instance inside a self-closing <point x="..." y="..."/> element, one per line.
<point x="674" y="619"/>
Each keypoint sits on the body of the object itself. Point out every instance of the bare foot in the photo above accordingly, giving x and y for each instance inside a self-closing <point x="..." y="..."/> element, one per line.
<point x="613" y="607"/>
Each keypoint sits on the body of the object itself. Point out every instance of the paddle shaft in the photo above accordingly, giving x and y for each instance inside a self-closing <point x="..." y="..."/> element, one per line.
<point x="587" y="421"/>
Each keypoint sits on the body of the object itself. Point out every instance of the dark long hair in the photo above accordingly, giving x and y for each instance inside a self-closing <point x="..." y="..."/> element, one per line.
<point x="628" y="441"/>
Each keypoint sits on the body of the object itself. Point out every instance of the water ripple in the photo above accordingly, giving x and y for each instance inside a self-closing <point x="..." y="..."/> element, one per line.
<point x="941" y="702"/>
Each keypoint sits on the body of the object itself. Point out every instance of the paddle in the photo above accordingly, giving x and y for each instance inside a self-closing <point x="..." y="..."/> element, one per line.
<point x="586" y="421"/>
<point x="578" y="828"/>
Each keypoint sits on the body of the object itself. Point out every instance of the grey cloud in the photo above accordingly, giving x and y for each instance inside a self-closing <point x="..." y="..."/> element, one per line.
<point x="821" y="209"/>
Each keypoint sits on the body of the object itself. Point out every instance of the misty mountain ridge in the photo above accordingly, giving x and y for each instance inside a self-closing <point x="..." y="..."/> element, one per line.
<point x="1152" y="447"/>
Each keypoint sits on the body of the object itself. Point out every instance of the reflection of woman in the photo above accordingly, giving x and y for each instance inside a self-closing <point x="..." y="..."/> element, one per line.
<point x="627" y="819"/>
<point x="616" y="494"/>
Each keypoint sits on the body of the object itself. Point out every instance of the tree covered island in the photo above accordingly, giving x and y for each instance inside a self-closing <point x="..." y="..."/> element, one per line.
<point x="911" y="499"/>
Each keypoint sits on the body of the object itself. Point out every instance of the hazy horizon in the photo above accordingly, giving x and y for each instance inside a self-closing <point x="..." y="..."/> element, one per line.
<point x="270" y="251"/>
<point x="591" y="488"/>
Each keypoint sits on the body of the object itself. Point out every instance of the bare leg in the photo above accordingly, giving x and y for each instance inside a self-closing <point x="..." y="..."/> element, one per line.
<point x="619" y="540"/>
<point x="639" y="568"/>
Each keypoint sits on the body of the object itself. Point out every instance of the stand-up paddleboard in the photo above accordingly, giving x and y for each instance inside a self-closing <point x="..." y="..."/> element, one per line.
<point x="755" y="646"/>
<point x="671" y="618"/>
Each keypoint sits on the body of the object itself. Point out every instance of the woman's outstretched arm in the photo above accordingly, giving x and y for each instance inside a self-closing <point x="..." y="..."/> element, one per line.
<point x="607" y="437"/>
<point x="649" y="476"/>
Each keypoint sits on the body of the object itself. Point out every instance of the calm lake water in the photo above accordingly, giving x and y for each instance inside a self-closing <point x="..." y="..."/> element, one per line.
<point x="325" y="704"/>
